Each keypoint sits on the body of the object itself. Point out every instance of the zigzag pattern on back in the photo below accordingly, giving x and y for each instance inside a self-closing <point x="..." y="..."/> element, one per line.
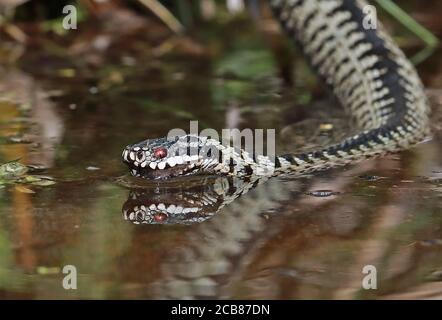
<point x="370" y="76"/>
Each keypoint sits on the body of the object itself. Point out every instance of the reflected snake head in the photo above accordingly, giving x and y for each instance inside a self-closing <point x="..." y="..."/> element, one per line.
<point x="190" y="202"/>
<point x="147" y="208"/>
<point x="164" y="158"/>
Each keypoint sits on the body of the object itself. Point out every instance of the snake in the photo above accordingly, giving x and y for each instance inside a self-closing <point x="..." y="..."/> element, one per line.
<point x="372" y="80"/>
<point x="365" y="70"/>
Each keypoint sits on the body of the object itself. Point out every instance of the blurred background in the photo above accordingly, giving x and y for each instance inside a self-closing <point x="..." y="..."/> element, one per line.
<point x="71" y="99"/>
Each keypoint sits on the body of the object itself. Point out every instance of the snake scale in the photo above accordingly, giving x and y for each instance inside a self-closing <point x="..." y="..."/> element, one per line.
<point x="367" y="72"/>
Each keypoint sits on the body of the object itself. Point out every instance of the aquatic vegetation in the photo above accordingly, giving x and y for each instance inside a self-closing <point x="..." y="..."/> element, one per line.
<point x="16" y="173"/>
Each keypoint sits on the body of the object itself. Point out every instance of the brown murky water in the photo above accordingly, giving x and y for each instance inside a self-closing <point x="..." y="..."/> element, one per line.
<point x="74" y="118"/>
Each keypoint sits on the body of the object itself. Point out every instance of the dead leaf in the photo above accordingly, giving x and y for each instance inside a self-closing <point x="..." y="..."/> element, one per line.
<point x="23" y="189"/>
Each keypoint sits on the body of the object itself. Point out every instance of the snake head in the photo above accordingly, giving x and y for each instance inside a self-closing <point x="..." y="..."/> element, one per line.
<point x="144" y="207"/>
<point x="166" y="158"/>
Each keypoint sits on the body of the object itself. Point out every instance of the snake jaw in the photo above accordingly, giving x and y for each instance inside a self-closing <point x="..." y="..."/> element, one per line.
<point x="164" y="173"/>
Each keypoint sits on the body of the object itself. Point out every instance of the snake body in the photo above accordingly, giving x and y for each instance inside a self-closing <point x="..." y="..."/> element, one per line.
<point x="367" y="72"/>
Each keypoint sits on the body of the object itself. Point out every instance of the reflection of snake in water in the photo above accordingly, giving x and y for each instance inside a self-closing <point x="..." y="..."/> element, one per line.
<point x="367" y="72"/>
<point x="212" y="258"/>
<point x="213" y="253"/>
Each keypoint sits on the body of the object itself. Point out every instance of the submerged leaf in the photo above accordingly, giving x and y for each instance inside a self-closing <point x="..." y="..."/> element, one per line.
<point x="15" y="172"/>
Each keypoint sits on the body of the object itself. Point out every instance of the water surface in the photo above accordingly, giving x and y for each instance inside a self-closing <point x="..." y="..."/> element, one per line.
<point x="73" y="116"/>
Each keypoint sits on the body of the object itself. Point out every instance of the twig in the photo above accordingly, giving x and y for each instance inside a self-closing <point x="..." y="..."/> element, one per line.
<point x="15" y="33"/>
<point x="431" y="41"/>
<point x="161" y="12"/>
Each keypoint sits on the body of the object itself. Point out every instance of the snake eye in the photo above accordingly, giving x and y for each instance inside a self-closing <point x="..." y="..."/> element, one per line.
<point x="160" y="217"/>
<point x="160" y="153"/>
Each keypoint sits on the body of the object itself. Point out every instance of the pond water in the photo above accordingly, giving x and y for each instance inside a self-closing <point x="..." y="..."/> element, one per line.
<point x="71" y="116"/>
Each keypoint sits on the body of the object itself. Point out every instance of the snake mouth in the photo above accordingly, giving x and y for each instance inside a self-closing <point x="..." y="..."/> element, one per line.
<point x="158" y="174"/>
<point x="163" y="173"/>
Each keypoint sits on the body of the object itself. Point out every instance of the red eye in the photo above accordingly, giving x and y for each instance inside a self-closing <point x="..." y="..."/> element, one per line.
<point x="160" y="153"/>
<point x="160" y="217"/>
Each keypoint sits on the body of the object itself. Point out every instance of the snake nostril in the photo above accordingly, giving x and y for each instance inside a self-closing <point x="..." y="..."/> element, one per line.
<point x="139" y="216"/>
<point x="140" y="155"/>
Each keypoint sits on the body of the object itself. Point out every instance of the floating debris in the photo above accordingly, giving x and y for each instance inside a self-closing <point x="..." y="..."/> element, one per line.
<point x="322" y="193"/>
<point x="48" y="270"/>
<point x="431" y="242"/>
<point x="12" y="170"/>
<point x="92" y="168"/>
<point x="326" y="126"/>
<point x="368" y="177"/>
